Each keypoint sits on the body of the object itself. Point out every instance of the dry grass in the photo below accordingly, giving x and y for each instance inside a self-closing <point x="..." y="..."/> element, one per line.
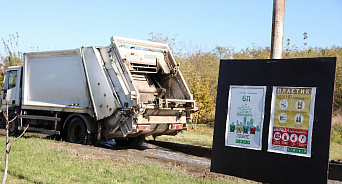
<point x="337" y="119"/>
<point x="336" y="128"/>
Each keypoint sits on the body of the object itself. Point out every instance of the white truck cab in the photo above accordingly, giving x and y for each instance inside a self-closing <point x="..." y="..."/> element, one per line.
<point x="11" y="89"/>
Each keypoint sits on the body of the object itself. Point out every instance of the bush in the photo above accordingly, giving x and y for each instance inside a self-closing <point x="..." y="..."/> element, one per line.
<point x="336" y="128"/>
<point x="336" y="133"/>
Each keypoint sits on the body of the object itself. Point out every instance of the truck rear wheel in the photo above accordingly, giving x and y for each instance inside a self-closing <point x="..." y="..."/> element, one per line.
<point x="77" y="132"/>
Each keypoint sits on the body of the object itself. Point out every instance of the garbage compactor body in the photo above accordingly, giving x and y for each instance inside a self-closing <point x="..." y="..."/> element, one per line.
<point x="129" y="89"/>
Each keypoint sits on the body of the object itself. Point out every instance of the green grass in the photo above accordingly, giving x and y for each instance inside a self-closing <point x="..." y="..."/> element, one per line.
<point x="336" y="129"/>
<point x="46" y="161"/>
<point x="335" y="151"/>
<point x="336" y="138"/>
<point x="336" y="133"/>
<point x="202" y="136"/>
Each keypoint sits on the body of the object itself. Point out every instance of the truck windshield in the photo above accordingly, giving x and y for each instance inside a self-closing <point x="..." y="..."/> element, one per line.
<point x="11" y="79"/>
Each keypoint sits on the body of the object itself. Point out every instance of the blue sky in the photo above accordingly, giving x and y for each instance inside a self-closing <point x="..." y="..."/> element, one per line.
<point x="67" y="24"/>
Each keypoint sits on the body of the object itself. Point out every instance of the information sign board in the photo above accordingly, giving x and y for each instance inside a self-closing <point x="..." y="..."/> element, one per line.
<point x="296" y="127"/>
<point x="245" y="116"/>
<point x="291" y="122"/>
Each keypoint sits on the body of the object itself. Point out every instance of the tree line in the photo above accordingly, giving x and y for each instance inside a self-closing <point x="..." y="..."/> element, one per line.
<point x="200" y="68"/>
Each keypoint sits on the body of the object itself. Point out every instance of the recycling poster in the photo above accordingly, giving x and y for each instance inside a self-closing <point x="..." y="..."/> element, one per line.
<point x="291" y="121"/>
<point x="245" y="116"/>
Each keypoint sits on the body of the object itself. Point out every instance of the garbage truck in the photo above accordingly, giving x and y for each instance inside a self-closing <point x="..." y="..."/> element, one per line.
<point x="124" y="91"/>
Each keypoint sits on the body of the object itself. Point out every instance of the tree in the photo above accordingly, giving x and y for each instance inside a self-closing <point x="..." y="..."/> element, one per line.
<point x="200" y="71"/>
<point x="175" y="49"/>
<point x="8" y="143"/>
<point x="12" y="56"/>
<point x="223" y="52"/>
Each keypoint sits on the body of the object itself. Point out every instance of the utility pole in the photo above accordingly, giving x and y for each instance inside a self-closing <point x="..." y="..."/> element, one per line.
<point x="277" y="29"/>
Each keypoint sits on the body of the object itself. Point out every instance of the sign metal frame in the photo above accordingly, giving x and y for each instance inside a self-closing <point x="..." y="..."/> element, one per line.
<point x="262" y="165"/>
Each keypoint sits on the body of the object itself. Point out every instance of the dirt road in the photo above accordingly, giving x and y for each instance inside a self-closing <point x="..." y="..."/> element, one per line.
<point x="192" y="165"/>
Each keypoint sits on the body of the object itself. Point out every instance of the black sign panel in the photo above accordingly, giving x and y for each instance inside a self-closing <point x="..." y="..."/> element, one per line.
<point x="262" y="165"/>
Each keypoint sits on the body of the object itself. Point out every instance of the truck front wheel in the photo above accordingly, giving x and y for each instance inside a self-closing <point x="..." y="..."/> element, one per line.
<point x="77" y="131"/>
<point x="13" y="125"/>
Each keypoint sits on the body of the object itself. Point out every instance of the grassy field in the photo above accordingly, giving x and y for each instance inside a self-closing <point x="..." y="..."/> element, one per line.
<point x="336" y="129"/>
<point x="202" y="135"/>
<point x="336" y="138"/>
<point x="45" y="161"/>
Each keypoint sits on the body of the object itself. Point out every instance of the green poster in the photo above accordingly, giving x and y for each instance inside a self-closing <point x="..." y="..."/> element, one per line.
<point x="245" y="116"/>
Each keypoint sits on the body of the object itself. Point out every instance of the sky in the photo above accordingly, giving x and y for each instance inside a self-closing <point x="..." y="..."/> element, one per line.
<point x="69" y="24"/>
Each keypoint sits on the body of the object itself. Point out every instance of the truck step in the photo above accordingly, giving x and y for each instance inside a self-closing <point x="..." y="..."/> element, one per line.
<point x="49" y="118"/>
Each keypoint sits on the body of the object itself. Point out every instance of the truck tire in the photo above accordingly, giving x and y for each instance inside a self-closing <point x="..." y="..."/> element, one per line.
<point x="77" y="132"/>
<point x="13" y="126"/>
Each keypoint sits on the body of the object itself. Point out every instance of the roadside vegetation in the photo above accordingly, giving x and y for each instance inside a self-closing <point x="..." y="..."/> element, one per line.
<point x="11" y="56"/>
<point x="200" y="68"/>
<point x="201" y="136"/>
<point x="336" y="129"/>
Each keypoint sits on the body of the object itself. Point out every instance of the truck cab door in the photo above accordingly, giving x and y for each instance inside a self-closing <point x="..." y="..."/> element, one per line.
<point x="11" y="89"/>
